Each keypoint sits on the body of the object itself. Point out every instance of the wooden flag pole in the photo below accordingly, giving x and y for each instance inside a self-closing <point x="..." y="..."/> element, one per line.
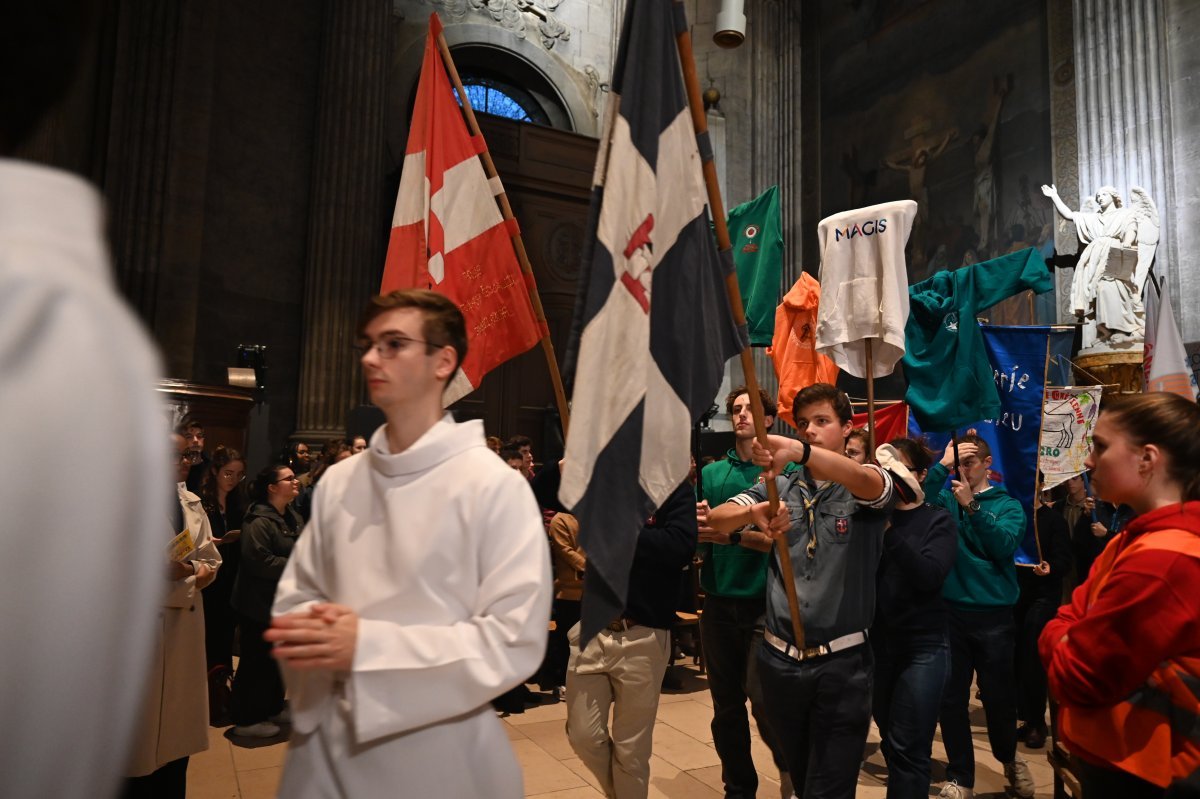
<point x="489" y="168"/>
<point x="1037" y="474"/>
<point x="683" y="40"/>
<point x="870" y="402"/>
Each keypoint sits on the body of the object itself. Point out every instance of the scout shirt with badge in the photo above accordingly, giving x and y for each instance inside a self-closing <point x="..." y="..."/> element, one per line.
<point x="835" y="541"/>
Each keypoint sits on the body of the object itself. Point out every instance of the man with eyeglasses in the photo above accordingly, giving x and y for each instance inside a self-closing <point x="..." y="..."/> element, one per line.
<point x="419" y="590"/>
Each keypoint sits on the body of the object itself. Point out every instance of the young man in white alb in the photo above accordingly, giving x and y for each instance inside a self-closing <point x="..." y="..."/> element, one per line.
<point x="419" y="590"/>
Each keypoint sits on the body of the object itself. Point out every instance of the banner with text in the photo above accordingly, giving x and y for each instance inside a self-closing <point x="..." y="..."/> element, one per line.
<point x="1068" y="417"/>
<point x="1018" y="357"/>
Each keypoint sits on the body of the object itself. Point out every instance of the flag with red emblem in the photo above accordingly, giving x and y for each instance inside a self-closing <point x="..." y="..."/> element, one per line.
<point x="448" y="234"/>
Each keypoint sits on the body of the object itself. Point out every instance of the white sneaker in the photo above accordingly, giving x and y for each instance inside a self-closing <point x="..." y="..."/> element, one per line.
<point x="264" y="729"/>
<point x="952" y="790"/>
<point x="1020" y="778"/>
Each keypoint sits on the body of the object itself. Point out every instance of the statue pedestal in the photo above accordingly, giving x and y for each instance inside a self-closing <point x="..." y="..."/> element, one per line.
<point x="1122" y="368"/>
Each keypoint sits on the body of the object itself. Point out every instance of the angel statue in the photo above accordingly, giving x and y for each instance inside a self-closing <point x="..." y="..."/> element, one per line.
<point x="1119" y="244"/>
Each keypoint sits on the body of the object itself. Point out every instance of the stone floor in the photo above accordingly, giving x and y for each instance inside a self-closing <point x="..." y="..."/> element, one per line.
<point x="684" y="764"/>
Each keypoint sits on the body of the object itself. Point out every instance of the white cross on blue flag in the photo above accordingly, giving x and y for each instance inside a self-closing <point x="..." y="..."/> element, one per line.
<point x="653" y="326"/>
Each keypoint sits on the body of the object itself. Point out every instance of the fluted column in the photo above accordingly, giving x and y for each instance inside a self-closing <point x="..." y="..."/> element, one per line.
<point x="139" y="142"/>
<point x="773" y="34"/>
<point x="347" y="232"/>
<point x="1124" y="113"/>
<point x="1064" y="143"/>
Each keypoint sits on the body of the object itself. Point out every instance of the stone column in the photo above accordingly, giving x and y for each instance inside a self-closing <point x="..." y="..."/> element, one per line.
<point x="774" y="34"/>
<point x="1123" y="106"/>
<point x="1064" y="144"/>
<point x="348" y="228"/>
<point x="147" y="44"/>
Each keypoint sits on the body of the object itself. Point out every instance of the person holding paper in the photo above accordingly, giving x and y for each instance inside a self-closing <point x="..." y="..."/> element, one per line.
<point x="174" y="722"/>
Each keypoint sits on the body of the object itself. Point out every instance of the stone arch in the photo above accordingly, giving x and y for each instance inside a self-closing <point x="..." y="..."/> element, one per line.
<point x="570" y="93"/>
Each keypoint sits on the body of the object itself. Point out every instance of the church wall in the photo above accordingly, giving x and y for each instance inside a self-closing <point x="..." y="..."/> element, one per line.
<point x="896" y="83"/>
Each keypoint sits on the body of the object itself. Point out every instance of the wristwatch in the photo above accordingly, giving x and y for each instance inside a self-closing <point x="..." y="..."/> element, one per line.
<point x="973" y="506"/>
<point x="735" y="539"/>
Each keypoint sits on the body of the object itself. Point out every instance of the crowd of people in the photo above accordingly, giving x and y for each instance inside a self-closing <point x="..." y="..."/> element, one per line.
<point x="903" y="567"/>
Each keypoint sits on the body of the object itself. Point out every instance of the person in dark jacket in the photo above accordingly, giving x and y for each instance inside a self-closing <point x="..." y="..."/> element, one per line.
<point x="269" y="532"/>
<point x="224" y="500"/>
<point x="1041" y="595"/>
<point x="909" y="636"/>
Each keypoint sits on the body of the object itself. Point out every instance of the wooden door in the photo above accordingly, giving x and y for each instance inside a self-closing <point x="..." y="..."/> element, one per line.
<point x="547" y="174"/>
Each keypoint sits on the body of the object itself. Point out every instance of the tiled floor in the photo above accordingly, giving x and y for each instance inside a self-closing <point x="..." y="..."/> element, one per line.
<point x="684" y="764"/>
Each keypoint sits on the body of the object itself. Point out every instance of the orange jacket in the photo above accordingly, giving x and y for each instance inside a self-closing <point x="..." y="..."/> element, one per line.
<point x="1154" y="732"/>
<point x="794" y="348"/>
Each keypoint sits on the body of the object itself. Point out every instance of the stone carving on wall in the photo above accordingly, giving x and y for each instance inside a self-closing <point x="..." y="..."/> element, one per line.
<point x="1119" y="241"/>
<point x="513" y="15"/>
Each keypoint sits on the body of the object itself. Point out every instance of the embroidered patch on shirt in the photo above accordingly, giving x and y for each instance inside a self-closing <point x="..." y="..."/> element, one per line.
<point x="842" y="525"/>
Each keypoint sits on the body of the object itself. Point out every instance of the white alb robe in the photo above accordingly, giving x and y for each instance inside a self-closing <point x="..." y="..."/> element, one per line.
<point x="441" y="551"/>
<point x="83" y="542"/>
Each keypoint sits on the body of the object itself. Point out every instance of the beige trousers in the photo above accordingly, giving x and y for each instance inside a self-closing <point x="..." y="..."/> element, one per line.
<point x="621" y="671"/>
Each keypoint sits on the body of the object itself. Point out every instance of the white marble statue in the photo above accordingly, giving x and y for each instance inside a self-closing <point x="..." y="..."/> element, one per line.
<point x="1120" y="241"/>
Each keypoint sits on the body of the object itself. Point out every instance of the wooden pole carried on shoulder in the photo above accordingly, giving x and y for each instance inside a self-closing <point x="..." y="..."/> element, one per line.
<point x="489" y="168"/>
<point x="683" y="40"/>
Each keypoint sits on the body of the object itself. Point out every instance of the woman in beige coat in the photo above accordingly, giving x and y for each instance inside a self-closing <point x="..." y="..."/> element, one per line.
<point x="174" y="723"/>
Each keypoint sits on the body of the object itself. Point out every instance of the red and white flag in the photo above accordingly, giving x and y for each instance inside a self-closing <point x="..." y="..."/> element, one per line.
<point x="448" y="234"/>
<point x="1165" y="360"/>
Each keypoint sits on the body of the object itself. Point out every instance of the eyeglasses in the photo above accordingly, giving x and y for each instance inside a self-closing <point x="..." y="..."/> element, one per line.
<point x="292" y="479"/>
<point x="228" y="475"/>
<point x="391" y="346"/>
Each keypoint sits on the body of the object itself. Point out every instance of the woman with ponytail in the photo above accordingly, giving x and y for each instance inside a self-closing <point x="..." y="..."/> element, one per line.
<point x="1123" y="659"/>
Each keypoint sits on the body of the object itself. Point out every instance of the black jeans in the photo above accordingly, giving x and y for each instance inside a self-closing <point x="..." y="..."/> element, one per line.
<point x="1031" y="619"/>
<point x="982" y="642"/>
<point x="1106" y="783"/>
<point x="558" y="650"/>
<point x="910" y="680"/>
<point x="167" y="782"/>
<point x="820" y="711"/>
<point x="731" y="631"/>
<point x="258" y="685"/>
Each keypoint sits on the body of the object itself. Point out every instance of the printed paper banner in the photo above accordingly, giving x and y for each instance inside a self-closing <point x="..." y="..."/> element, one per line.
<point x="1068" y="418"/>
<point x="181" y="546"/>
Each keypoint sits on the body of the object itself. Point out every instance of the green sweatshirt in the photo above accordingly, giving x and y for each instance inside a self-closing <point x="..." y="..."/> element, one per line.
<point x="984" y="574"/>
<point x="732" y="570"/>
<point x="950" y="380"/>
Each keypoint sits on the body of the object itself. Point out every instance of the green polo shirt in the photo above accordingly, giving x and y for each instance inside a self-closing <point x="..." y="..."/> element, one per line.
<point x="731" y="570"/>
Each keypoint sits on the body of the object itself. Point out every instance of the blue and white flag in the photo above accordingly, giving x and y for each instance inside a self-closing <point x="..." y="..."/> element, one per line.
<point x="653" y="327"/>
<point x="1018" y="356"/>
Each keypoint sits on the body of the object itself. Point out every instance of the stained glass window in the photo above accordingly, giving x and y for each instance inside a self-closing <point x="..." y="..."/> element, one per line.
<point x="490" y="96"/>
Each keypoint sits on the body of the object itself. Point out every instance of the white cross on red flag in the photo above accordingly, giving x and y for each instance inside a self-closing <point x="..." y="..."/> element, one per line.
<point x="448" y="234"/>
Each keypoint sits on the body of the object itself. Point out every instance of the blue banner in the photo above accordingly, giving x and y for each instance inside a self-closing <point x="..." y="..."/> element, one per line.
<point x="1018" y="358"/>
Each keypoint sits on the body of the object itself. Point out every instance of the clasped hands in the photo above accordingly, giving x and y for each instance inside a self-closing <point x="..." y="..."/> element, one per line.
<point x="322" y="638"/>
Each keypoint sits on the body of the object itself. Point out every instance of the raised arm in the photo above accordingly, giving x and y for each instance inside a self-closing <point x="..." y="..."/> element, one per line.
<point x="864" y="482"/>
<point x="1052" y="192"/>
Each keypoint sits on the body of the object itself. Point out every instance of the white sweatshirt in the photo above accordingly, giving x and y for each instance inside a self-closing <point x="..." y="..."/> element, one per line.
<point x="864" y="286"/>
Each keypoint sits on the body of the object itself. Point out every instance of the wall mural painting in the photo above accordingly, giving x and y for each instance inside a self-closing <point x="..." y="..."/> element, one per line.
<point x="946" y="103"/>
